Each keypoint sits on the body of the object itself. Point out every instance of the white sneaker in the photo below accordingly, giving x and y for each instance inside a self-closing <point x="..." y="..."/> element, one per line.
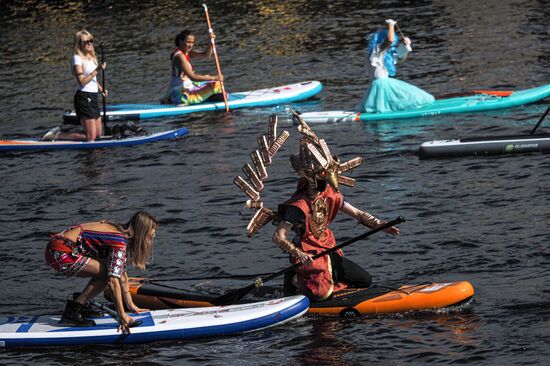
<point x="52" y="134"/>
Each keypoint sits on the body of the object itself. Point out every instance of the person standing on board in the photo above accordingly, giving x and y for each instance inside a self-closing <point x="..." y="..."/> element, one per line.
<point x="386" y="93"/>
<point x="86" y="102"/>
<point x="309" y="212"/>
<point x="99" y="250"/>
<point x="186" y="86"/>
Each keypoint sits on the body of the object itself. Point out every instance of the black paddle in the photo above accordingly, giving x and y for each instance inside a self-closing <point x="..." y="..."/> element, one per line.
<point x="540" y="121"/>
<point x="103" y="94"/>
<point x="236" y="295"/>
<point x="113" y="313"/>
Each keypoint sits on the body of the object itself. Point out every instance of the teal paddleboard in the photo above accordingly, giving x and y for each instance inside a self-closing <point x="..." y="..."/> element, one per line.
<point x="248" y="99"/>
<point x="472" y="102"/>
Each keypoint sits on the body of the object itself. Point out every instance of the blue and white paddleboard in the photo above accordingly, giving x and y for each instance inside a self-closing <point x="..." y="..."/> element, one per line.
<point x="472" y="103"/>
<point x="159" y="325"/>
<point x="255" y="98"/>
<point x="37" y="144"/>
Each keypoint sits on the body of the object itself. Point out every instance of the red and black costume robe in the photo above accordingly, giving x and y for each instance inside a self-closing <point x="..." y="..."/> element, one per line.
<point x="313" y="237"/>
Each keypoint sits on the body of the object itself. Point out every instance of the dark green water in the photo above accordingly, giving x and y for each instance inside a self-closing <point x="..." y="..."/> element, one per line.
<point x="484" y="220"/>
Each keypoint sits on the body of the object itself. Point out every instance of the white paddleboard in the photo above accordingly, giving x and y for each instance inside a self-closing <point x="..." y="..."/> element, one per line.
<point x="159" y="325"/>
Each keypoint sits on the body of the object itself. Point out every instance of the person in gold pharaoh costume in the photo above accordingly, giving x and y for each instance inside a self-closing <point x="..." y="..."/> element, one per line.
<point x="308" y="213"/>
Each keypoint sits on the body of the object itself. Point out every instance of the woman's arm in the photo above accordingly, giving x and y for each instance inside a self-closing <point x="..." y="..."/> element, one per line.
<point x="405" y="49"/>
<point x="127" y="297"/>
<point x="391" y="35"/>
<point x="83" y="80"/>
<point x="124" y="320"/>
<point x="366" y="218"/>
<point x="204" y="54"/>
<point x="184" y="65"/>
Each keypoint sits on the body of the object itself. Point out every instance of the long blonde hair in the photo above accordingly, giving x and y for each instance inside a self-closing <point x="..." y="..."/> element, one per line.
<point x="79" y="45"/>
<point x="140" y="242"/>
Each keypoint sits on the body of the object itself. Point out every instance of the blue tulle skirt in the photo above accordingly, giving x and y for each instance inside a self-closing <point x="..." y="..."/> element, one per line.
<point x="389" y="94"/>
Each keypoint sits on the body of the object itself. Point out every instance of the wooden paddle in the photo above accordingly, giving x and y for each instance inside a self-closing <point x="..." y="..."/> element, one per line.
<point x="218" y="67"/>
<point x="235" y="295"/>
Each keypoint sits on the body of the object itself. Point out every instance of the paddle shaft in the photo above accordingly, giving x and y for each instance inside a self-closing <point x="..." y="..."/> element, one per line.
<point x="236" y="295"/>
<point x="113" y="313"/>
<point x="540" y="121"/>
<point x="338" y="247"/>
<point x="399" y="30"/>
<point x="218" y="67"/>
<point x="103" y="94"/>
<point x="106" y="309"/>
<point x="179" y="279"/>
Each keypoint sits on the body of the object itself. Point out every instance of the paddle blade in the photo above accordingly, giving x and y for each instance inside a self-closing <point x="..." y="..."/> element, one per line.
<point x="233" y="296"/>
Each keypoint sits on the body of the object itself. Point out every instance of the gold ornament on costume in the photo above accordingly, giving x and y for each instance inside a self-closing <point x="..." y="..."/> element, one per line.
<point x="318" y="220"/>
<point x="257" y="174"/>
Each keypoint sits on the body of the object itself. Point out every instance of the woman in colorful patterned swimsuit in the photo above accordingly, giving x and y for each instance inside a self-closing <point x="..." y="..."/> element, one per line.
<point x="100" y="250"/>
<point x="186" y="86"/>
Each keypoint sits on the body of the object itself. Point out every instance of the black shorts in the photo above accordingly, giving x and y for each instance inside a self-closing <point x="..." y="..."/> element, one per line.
<point x="86" y="105"/>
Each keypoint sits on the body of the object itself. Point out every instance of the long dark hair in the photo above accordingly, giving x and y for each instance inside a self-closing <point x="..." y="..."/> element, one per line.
<point x="182" y="36"/>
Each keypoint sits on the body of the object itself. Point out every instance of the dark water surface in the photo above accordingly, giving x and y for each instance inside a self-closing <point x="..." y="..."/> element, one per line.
<point x="484" y="220"/>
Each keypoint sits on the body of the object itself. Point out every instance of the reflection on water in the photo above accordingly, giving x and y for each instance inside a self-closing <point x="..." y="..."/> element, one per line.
<point x="327" y="346"/>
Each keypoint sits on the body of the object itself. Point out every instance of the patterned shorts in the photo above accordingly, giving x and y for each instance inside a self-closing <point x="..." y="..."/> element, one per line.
<point x="68" y="263"/>
<point x="198" y="94"/>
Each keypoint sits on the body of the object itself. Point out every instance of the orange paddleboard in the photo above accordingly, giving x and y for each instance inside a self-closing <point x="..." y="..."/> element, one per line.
<point x="349" y="302"/>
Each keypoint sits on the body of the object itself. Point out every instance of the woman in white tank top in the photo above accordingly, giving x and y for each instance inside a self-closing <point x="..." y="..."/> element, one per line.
<point x="86" y="100"/>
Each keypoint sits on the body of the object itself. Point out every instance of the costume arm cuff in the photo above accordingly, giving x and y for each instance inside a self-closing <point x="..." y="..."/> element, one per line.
<point x="287" y="246"/>
<point x="368" y="220"/>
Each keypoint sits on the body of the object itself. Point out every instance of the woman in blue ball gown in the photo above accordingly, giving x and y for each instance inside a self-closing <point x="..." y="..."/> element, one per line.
<point x="386" y="93"/>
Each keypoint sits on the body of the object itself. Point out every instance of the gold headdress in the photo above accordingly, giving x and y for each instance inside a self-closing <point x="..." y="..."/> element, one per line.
<point x="314" y="162"/>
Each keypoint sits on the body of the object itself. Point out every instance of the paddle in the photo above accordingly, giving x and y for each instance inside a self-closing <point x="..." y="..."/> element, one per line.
<point x="399" y="30"/>
<point x="236" y="295"/>
<point x="179" y="279"/>
<point x="113" y="313"/>
<point x="218" y="67"/>
<point x="103" y="94"/>
<point x="540" y="121"/>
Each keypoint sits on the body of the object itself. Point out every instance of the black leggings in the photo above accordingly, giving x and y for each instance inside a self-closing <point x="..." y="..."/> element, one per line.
<point x="344" y="270"/>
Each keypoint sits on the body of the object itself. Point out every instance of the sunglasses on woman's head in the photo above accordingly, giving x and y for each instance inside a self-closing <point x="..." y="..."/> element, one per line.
<point x="88" y="41"/>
